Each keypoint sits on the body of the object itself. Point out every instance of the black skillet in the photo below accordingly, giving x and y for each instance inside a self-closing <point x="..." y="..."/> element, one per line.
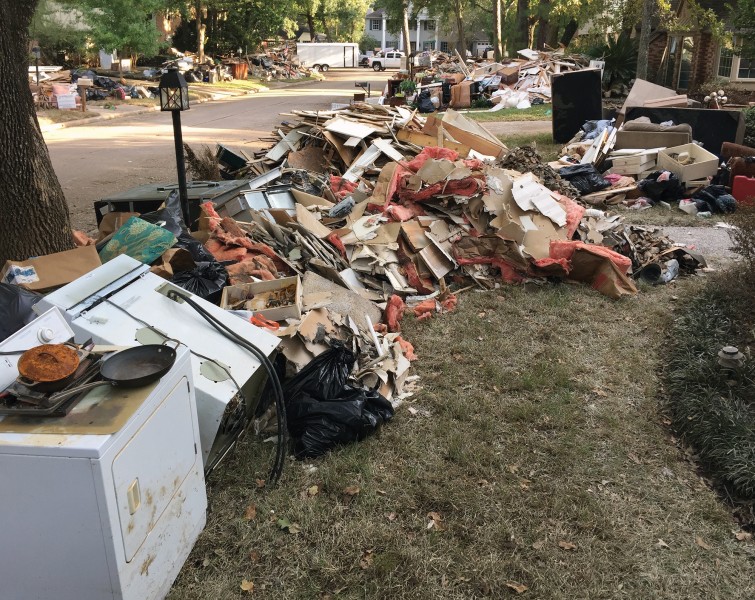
<point x="130" y="368"/>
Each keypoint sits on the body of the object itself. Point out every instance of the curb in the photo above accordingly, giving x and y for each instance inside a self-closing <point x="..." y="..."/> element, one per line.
<point x="209" y="97"/>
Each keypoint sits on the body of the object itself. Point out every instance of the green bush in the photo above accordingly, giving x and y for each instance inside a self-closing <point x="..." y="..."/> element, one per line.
<point x="620" y="56"/>
<point x="749" y="138"/>
<point x="712" y="409"/>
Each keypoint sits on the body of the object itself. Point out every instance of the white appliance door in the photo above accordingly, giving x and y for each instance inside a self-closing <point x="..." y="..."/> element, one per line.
<point x="152" y="465"/>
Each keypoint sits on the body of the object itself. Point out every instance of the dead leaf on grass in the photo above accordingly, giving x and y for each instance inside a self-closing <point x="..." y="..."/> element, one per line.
<point x="206" y="562"/>
<point x="251" y="512"/>
<point x="538" y="545"/>
<point x="662" y="544"/>
<point x="525" y="484"/>
<point x="351" y="490"/>
<point x="391" y="516"/>
<point x="512" y="468"/>
<point x="564" y="545"/>
<point x="634" y="458"/>
<point x="436" y="521"/>
<point x="286" y="525"/>
<point x="701" y="542"/>
<point x="247" y="586"/>
<point x="260" y="483"/>
<point x="313" y="490"/>
<point x="254" y="556"/>
<point x="367" y="557"/>
<point x="742" y="536"/>
<point x="599" y="392"/>
<point x="519" y="588"/>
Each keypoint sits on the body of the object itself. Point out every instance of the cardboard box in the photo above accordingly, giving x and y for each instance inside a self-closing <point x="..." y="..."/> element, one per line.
<point x="650" y="139"/>
<point x="262" y="291"/>
<point x="705" y="163"/>
<point x="47" y="272"/>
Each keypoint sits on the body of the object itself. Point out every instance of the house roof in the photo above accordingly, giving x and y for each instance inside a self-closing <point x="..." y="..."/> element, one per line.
<point x="375" y="14"/>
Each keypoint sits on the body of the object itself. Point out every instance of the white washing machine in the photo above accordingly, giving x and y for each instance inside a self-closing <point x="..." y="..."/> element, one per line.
<point x="122" y="303"/>
<point x="107" y="501"/>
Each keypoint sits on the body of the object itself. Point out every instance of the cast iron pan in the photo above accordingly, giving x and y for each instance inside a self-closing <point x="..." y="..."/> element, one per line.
<point x="131" y="368"/>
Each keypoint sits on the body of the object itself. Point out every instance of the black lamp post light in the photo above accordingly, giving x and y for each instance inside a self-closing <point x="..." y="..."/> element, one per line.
<point x="174" y="97"/>
<point x="37" y="54"/>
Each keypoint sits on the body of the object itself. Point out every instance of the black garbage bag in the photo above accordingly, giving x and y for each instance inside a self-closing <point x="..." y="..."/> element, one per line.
<point x="95" y="94"/>
<point x="206" y="280"/>
<point x="585" y="178"/>
<point x="323" y="410"/>
<point x="15" y="309"/>
<point x="87" y="73"/>
<point x="424" y="104"/>
<point x="714" y="199"/>
<point x="662" y="185"/>
<point x="105" y="82"/>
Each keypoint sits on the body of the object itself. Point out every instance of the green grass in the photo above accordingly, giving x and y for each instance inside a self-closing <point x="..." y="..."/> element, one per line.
<point x="541" y="112"/>
<point x="54" y="115"/>
<point x="538" y="423"/>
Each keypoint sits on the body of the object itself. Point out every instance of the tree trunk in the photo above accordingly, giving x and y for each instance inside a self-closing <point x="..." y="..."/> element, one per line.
<point x="522" y="39"/>
<point x="648" y="8"/>
<point x="405" y="29"/>
<point x="311" y="24"/>
<point x="201" y="28"/>
<point x="497" y="24"/>
<point x="461" y="42"/>
<point x="543" y="25"/>
<point x="569" y="32"/>
<point x="34" y="217"/>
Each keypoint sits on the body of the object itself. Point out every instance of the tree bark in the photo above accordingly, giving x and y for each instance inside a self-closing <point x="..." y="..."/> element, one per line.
<point x="569" y="32"/>
<point x="497" y="23"/>
<point x="201" y="28"/>
<point x="648" y="8"/>
<point x="461" y="42"/>
<point x="543" y="24"/>
<point x="34" y="218"/>
<point x="311" y="24"/>
<point x="522" y="39"/>
<point x="405" y="29"/>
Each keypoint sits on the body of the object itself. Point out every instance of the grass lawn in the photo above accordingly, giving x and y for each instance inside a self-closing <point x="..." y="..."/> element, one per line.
<point x="541" y="112"/>
<point x="535" y="456"/>
<point x="54" y="115"/>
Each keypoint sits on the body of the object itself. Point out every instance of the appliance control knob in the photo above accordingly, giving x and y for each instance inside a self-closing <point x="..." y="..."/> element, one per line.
<point x="46" y="335"/>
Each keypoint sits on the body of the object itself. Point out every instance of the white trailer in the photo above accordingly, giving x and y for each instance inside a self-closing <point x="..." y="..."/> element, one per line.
<point x="326" y="55"/>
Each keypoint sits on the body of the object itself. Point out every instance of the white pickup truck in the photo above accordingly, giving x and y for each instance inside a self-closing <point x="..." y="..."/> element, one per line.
<point x="386" y="60"/>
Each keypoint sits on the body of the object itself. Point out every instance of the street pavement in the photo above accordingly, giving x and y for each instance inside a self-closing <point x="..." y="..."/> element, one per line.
<point x="93" y="161"/>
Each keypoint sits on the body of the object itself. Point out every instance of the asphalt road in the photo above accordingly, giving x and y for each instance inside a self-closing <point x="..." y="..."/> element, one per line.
<point x="96" y="160"/>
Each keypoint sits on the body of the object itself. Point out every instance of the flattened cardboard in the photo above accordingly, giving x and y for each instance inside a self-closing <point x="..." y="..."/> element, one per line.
<point x="52" y="270"/>
<point x="307" y="220"/>
<point x="435" y="170"/>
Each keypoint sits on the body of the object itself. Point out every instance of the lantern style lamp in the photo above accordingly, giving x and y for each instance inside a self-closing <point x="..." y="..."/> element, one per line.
<point x="174" y="97"/>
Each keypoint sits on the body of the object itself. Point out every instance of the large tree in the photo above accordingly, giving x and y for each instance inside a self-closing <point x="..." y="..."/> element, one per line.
<point x="34" y="217"/>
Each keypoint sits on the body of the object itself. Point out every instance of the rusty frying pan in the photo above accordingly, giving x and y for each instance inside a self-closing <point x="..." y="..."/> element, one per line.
<point x="49" y="367"/>
<point x="130" y="368"/>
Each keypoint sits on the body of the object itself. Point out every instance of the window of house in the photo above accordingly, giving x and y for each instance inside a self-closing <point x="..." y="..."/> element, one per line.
<point x="685" y="69"/>
<point x="725" y="58"/>
<point x="746" y="68"/>
<point x="444" y="47"/>
<point x="428" y="25"/>
<point x="376" y="24"/>
<point x="428" y="45"/>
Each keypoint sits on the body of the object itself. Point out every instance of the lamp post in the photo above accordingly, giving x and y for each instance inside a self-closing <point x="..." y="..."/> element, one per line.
<point x="37" y="53"/>
<point x="174" y="97"/>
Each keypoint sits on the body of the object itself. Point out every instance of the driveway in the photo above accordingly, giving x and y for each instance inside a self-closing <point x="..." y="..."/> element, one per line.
<point x="95" y="160"/>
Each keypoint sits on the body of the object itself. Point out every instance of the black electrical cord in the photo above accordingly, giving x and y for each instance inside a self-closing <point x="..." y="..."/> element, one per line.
<point x="280" y="406"/>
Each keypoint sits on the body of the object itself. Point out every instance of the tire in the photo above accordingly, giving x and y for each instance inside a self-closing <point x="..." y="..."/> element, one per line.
<point x="377" y="67"/>
<point x="316" y="67"/>
<point x="324" y="68"/>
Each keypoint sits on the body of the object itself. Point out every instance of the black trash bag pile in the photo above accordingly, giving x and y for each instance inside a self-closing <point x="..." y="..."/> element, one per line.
<point x="714" y="199"/>
<point x="585" y="177"/>
<point x="15" y="309"/>
<point x="323" y="410"/>
<point x="424" y="103"/>
<point x="662" y="186"/>
<point x="208" y="278"/>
